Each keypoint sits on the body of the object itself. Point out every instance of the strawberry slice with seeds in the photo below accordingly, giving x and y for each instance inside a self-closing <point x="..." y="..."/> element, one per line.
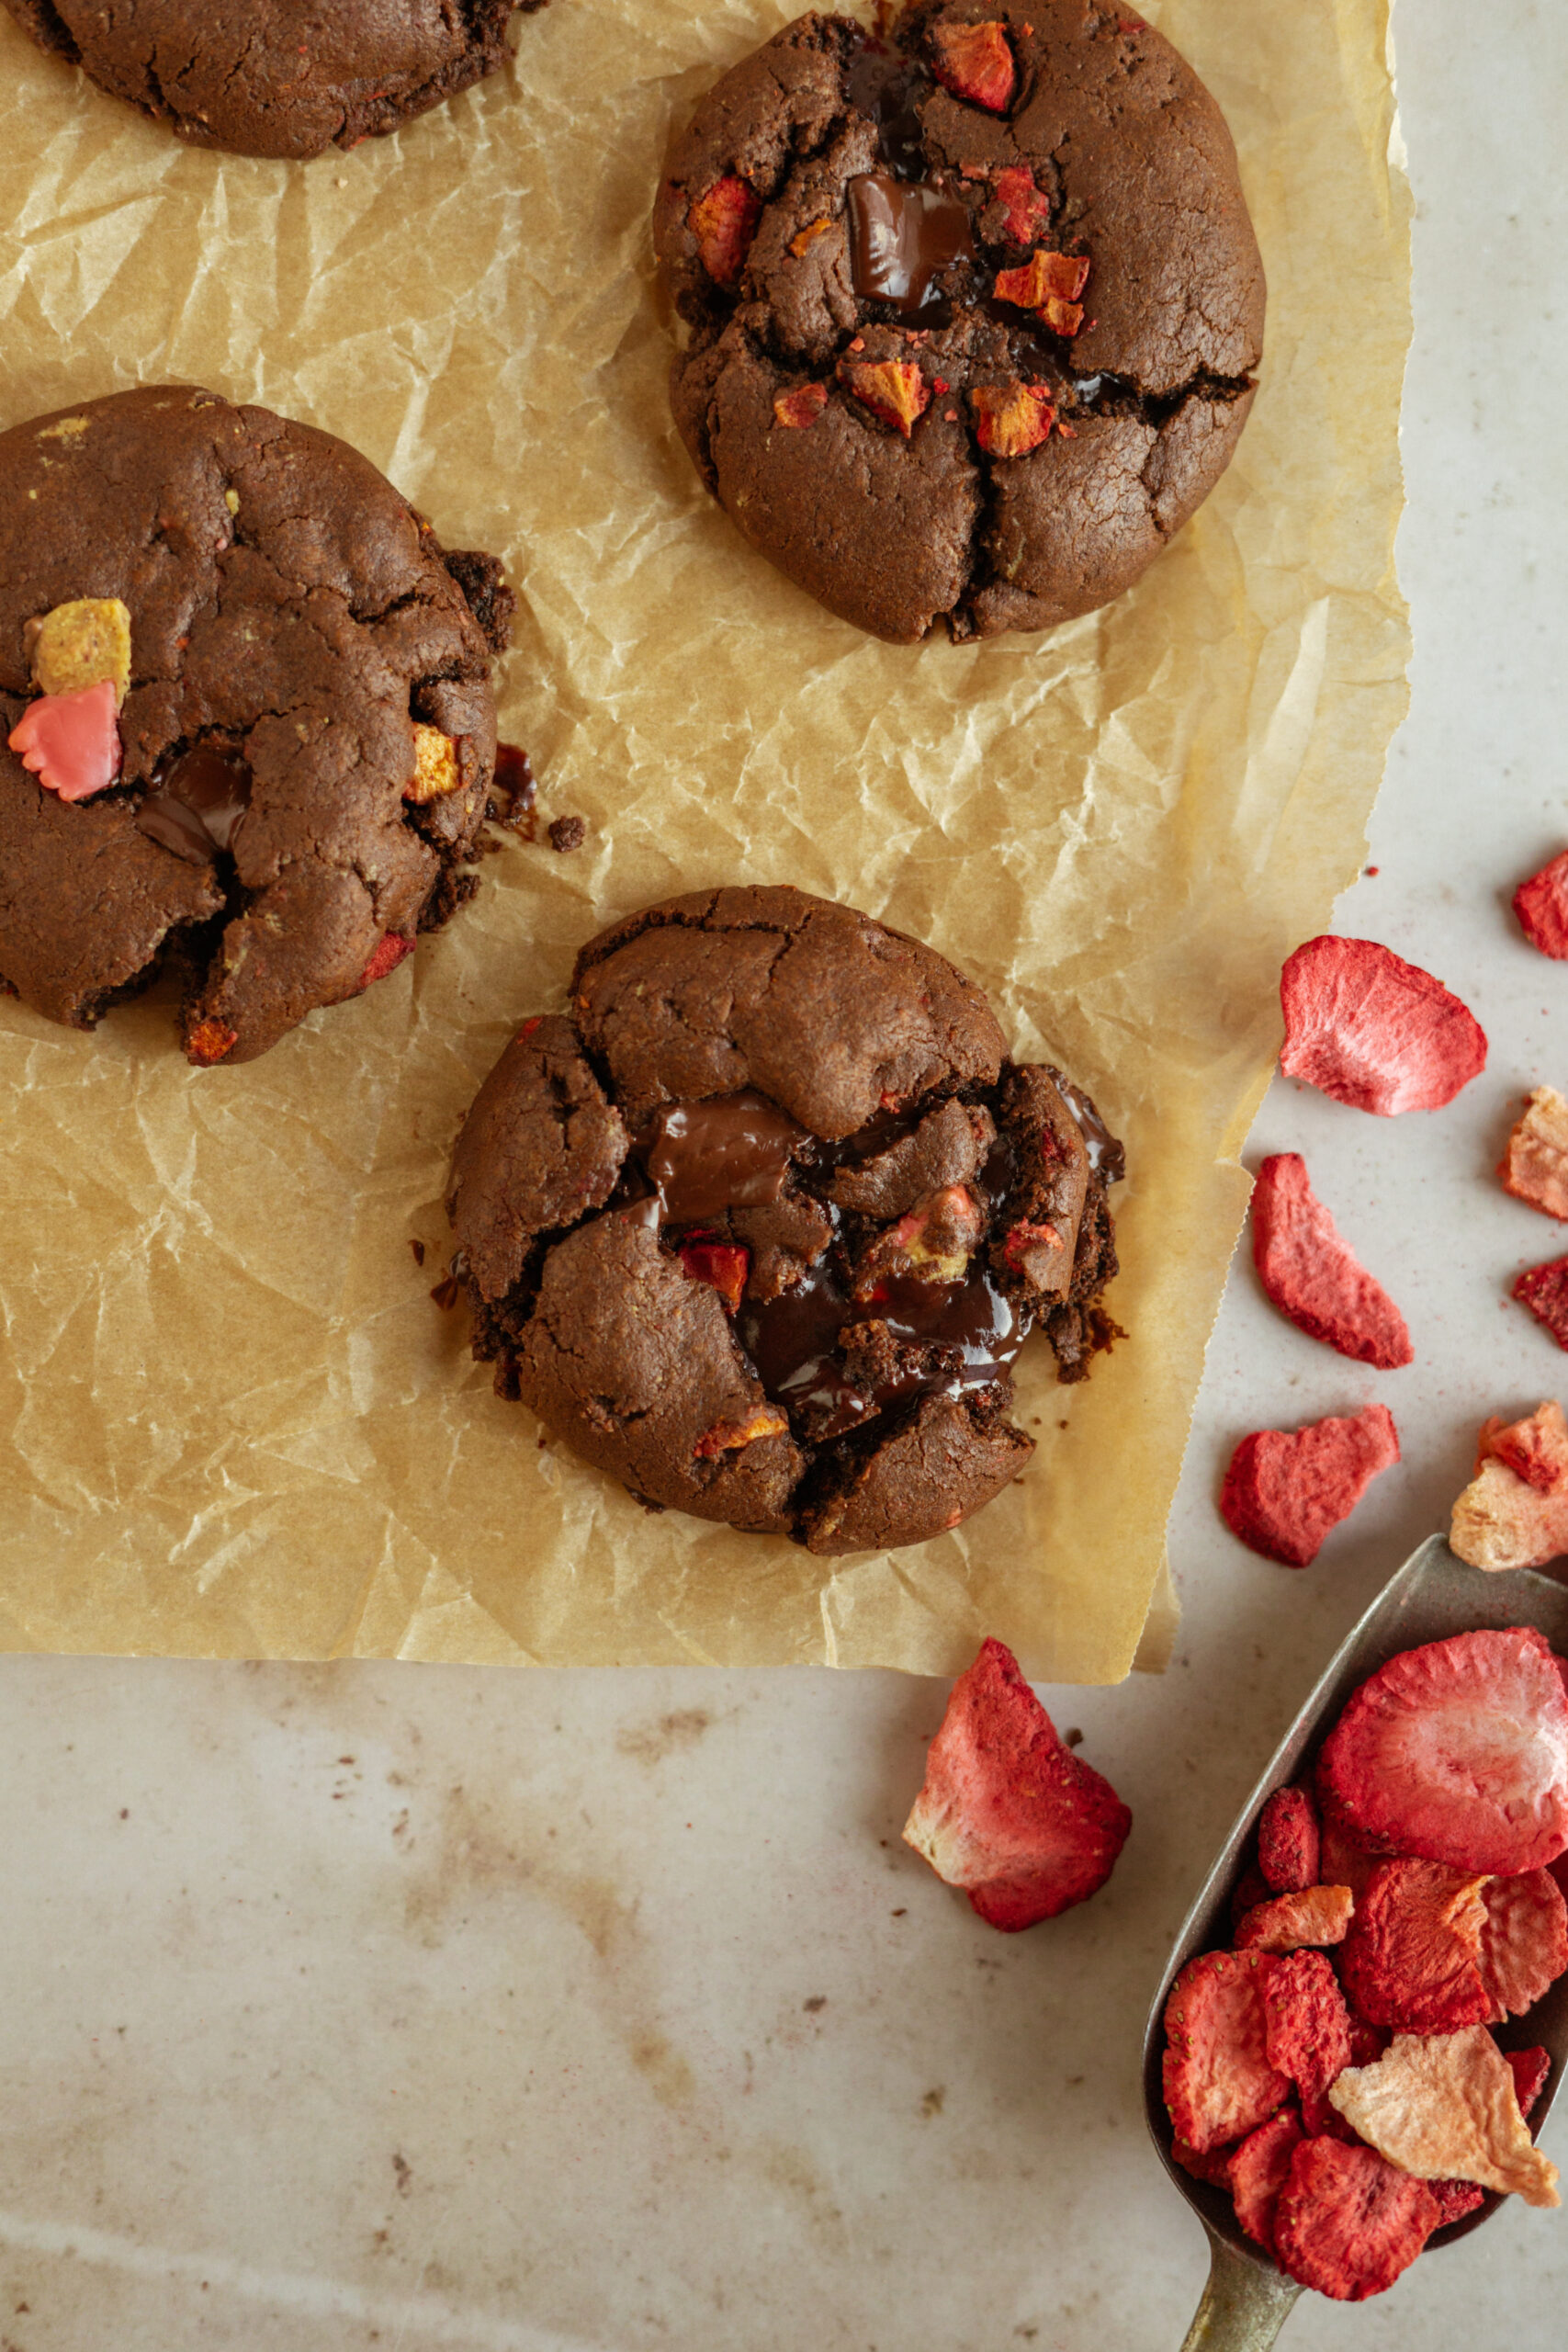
<point x="1289" y="1841"/>
<point x="1217" y="2080"/>
<point x="1007" y="1812"/>
<point x="1259" y="2169"/>
<point x="1312" y="1275"/>
<point x="1457" y="1752"/>
<point x="1307" y="2023"/>
<point x="1371" y="1030"/>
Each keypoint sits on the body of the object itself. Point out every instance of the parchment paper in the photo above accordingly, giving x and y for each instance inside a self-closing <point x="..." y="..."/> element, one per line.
<point x="233" y="1421"/>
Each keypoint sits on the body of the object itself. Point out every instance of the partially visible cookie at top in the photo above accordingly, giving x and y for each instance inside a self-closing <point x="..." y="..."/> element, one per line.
<point x="246" y="722"/>
<point x="278" y="78"/>
<point x="760" y="1225"/>
<point x="974" y="311"/>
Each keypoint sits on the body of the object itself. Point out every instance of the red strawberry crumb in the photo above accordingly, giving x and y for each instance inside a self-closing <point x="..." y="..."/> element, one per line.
<point x="1348" y="2222"/>
<point x="1535" y="1449"/>
<point x="1217" y="2080"/>
<point x="1286" y="1490"/>
<point x="1371" y="1030"/>
<point x="723" y="1265"/>
<point x="1006" y="1811"/>
<point x="724" y="221"/>
<point x="1048" y="284"/>
<point x="801" y="408"/>
<point x="1027" y="209"/>
<point x="1258" y="2171"/>
<point x="1541" y="905"/>
<point x="1289" y="1842"/>
<point x="390" y="952"/>
<point x="976" y="63"/>
<point x="1309" y="1271"/>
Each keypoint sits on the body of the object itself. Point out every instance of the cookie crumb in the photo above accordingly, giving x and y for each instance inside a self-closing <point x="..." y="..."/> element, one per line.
<point x="567" y="833"/>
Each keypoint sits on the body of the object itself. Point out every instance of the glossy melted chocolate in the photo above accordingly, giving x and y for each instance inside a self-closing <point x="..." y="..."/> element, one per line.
<point x="1106" y="1154"/>
<point x="729" y="1152"/>
<point x="194" y="806"/>
<point x="902" y="236"/>
<point x="889" y="89"/>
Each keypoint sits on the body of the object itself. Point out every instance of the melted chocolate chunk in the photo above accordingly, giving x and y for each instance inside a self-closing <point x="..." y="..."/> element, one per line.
<point x="1107" y="1155"/>
<point x="513" y="791"/>
<point x="729" y="1152"/>
<point x="888" y="89"/>
<point x="902" y="237"/>
<point x="194" y="806"/>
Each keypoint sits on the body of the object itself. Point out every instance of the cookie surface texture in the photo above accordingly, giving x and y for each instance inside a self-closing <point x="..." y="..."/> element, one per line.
<point x="760" y="1225"/>
<point x="973" y="312"/>
<point x="277" y="77"/>
<point x="246" y="725"/>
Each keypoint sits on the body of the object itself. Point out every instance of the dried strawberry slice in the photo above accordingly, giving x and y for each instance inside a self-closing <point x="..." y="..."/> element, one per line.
<point x="1306" y="2022"/>
<point x="1343" y="1860"/>
<point x="1310" y="1272"/>
<point x="1259" y="2169"/>
<point x="1026" y="207"/>
<point x="1513" y="1513"/>
<point x="723" y="1265"/>
<point x="1457" y="1752"/>
<point x="1347" y="2222"/>
<point x="1213" y="2166"/>
<point x="1535" y="1449"/>
<point x="1217" y="2079"/>
<point x="1007" y="1812"/>
<point x="1371" y="1030"/>
<point x="389" y="953"/>
<point x="724" y="221"/>
<point x="1535" y="1166"/>
<point x="1412" y="1957"/>
<point x="893" y="390"/>
<point x="801" y="407"/>
<point x="1010" y="420"/>
<point x="1319" y="1915"/>
<point x="1286" y="1490"/>
<point x="1289" y="1841"/>
<point x="1541" y="905"/>
<point x="1524" y="1941"/>
<point x="974" y="63"/>
<point x="1545" y="1290"/>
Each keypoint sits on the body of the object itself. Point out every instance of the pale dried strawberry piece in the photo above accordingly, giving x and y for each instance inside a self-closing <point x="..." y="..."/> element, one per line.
<point x="1027" y="207"/>
<point x="1258" y="2171"/>
<point x="723" y="1265"/>
<point x="1529" y="2069"/>
<point x="1213" y="2166"/>
<point x="1513" y="1513"/>
<point x="1524" y="1941"/>
<point x="1457" y="1752"/>
<point x="728" y="1436"/>
<point x="724" y="221"/>
<point x="1412" y="1957"/>
<point x="1541" y="905"/>
<point x="1347" y="2222"/>
<point x="437" y="769"/>
<point x="802" y="407"/>
<point x="71" y="742"/>
<point x="1307" y="2023"/>
<point x="1545" y="1290"/>
<point x="974" y="63"/>
<point x="935" y="1241"/>
<point x="893" y="390"/>
<point x="1443" y="2105"/>
<point x="1049" y="285"/>
<point x="1289" y="1841"/>
<point x="1287" y="1489"/>
<point x="1013" y="419"/>
<point x="1217" y="2079"/>
<point x="1312" y="1275"/>
<point x="1317" y="1914"/>
<point x="389" y="951"/>
<point x="1366" y="1028"/>
<point x="1007" y="1812"/>
<point x="1535" y="1166"/>
<point x="210" y="1042"/>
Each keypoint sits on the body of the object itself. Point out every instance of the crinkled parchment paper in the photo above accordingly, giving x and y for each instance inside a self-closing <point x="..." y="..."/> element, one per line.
<point x="232" y="1420"/>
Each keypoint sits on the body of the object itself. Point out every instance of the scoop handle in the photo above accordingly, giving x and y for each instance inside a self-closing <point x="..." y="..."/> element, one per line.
<point x="1244" y="2306"/>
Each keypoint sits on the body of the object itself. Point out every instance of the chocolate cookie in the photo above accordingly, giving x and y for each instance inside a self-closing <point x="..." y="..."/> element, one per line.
<point x="246" y="701"/>
<point x="975" y="314"/>
<point x="277" y="77"/>
<point x="762" y="1225"/>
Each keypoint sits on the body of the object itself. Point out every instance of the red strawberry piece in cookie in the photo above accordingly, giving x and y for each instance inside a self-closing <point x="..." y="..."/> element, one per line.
<point x="1289" y="1841"/>
<point x="389" y="955"/>
<point x="1412" y="1957"/>
<point x="1348" y="2222"/>
<point x="1218" y="2082"/>
<point x="1372" y="1031"/>
<point x="1310" y="1272"/>
<point x="1286" y="1490"/>
<point x="724" y="221"/>
<point x="1457" y="1752"/>
<point x="1007" y="1812"/>
<point x="722" y="1265"/>
<point x="976" y="65"/>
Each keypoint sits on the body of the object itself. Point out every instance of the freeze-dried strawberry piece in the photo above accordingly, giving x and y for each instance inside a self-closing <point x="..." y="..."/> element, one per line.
<point x="1310" y="1272"/>
<point x="1286" y="1489"/>
<point x="1545" y="1290"/>
<point x="1347" y="2222"/>
<point x="1343" y="1860"/>
<point x="1008" y="1813"/>
<point x="1457" y="1752"/>
<point x="802" y="407"/>
<point x="210" y="1042"/>
<point x="724" y="221"/>
<point x="1524" y="1941"/>
<point x="1038" y="1252"/>
<point x="1541" y="905"/>
<point x="974" y="63"/>
<point x="1513" y="1513"/>
<point x="1259" y="2169"/>
<point x="1307" y="2023"/>
<point x="1026" y="207"/>
<point x="389" y="951"/>
<point x="1317" y="1914"/>
<point x="893" y="390"/>
<point x="728" y="1436"/>
<point x="1013" y="419"/>
<point x="1529" y="2069"/>
<point x="1535" y="1166"/>
<point x="1213" y="2166"/>
<point x="1251" y="1889"/>
<point x="1442" y="2106"/>
<point x="1289" y="1841"/>
<point x="71" y="742"/>
<point x="1368" y="2041"/>
<point x="723" y="1265"/>
<point x="1371" y="1030"/>
<point x="1217" y="2080"/>
<point x="1412" y="1957"/>
<point x="1455" y="2198"/>
<point x="1049" y="285"/>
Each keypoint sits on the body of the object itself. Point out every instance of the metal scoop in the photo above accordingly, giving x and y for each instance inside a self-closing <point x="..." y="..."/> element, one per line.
<point x="1247" y="2299"/>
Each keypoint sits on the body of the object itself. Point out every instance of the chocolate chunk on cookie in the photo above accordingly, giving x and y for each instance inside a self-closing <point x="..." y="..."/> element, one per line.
<point x="975" y="312"/>
<point x="277" y="77"/>
<point x="760" y="1226"/>
<point x="246" y="723"/>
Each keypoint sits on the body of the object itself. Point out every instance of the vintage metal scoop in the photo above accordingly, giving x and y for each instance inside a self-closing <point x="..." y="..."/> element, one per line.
<point x="1248" y="2299"/>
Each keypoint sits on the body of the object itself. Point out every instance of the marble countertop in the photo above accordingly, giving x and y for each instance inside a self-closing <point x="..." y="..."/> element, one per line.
<point x="382" y="2005"/>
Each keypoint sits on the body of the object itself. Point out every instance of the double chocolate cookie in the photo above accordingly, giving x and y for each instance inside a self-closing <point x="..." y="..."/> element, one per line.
<point x="277" y="77"/>
<point x="974" y="311"/>
<point x="760" y="1226"/>
<point x="245" y="713"/>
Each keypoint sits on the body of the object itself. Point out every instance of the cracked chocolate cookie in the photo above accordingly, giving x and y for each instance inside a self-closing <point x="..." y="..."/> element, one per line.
<point x="975" y="312"/>
<point x="760" y="1226"/>
<point x="278" y="78"/>
<point x="245" y="710"/>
